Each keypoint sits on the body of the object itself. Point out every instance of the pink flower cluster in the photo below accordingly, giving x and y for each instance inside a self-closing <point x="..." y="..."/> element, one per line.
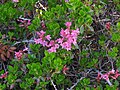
<point x="15" y="0"/>
<point x="24" y="22"/>
<point x="67" y="38"/>
<point x="4" y="75"/>
<point x="111" y="74"/>
<point x="20" y="53"/>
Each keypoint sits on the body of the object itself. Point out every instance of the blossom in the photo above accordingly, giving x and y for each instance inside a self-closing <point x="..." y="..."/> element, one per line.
<point x="66" y="45"/>
<point x="67" y="38"/>
<point x="113" y="74"/>
<point x="24" y="23"/>
<point x="43" y="25"/>
<point x="28" y="22"/>
<point x="3" y="75"/>
<point x="66" y="0"/>
<point x="65" y="68"/>
<point x="98" y="76"/>
<point x="75" y="33"/>
<point x="62" y="33"/>
<point x="44" y="43"/>
<point x="67" y="31"/>
<point x="37" y="41"/>
<point x="107" y="25"/>
<point x="105" y="77"/>
<point x="74" y="41"/>
<point x="25" y="49"/>
<point x="51" y="43"/>
<point x="60" y="40"/>
<point x="56" y="46"/>
<point x="19" y="55"/>
<point x="41" y="34"/>
<point x="116" y="75"/>
<point x="52" y="49"/>
<point x="15" y="0"/>
<point x="68" y="24"/>
<point x="48" y="37"/>
<point x="53" y="46"/>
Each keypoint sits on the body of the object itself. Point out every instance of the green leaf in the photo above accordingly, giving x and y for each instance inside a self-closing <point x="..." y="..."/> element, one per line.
<point x="11" y="78"/>
<point x="82" y="29"/>
<point x="35" y="24"/>
<point x="115" y="37"/>
<point x="2" y="86"/>
<point x="10" y="68"/>
<point x="102" y="43"/>
<point x="115" y="49"/>
<point x="86" y="81"/>
<point x="91" y="28"/>
<point x="29" y="81"/>
<point x="28" y="66"/>
<point x="112" y="54"/>
<point x="81" y="13"/>
<point x="58" y="64"/>
<point x="118" y="25"/>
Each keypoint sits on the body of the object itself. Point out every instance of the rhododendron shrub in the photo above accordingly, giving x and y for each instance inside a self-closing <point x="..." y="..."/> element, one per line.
<point x="59" y="45"/>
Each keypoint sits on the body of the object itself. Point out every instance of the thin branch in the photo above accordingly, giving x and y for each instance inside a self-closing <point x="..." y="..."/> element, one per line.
<point x="53" y="84"/>
<point x="25" y="41"/>
<point x="76" y="83"/>
<point x="4" y="67"/>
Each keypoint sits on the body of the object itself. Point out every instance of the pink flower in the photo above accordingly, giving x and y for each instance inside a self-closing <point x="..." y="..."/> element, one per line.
<point x="66" y="45"/>
<point x="65" y="68"/>
<point x="24" y="23"/>
<point x="52" y="49"/>
<point x="111" y="72"/>
<point x="116" y="75"/>
<point x="26" y="49"/>
<point x="75" y="33"/>
<point x="28" y="22"/>
<point x="44" y="43"/>
<point x="66" y="0"/>
<point x="41" y="34"/>
<point x="107" y="25"/>
<point x="48" y="37"/>
<point x="68" y="24"/>
<point x="67" y="31"/>
<point x="99" y="76"/>
<point x="60" y="40"/>
<point x="74" y="41"/>
<point x="56" y="46"/>
<point x="19" y="55"/>
<point x="62" y="33"/>
<point x="105" y="77"/>
<point x="4" y="75"/>
<point x="43" y="25"/>
<point x="53" y="46"/>
<point x="37" y="41"/>
<point x="70" y="39"/>
<point x="51" y="43"/>
<point x="15" y="0"/>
